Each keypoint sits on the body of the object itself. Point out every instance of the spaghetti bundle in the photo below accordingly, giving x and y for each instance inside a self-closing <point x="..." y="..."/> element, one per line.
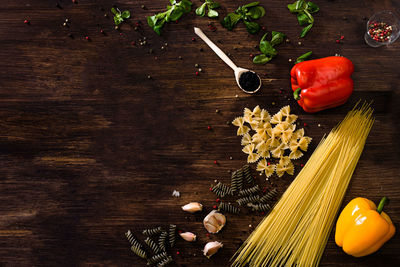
<point x="297" y="229"/>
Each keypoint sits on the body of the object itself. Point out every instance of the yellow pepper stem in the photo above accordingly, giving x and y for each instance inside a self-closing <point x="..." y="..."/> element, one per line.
<point x="384" y="200"/>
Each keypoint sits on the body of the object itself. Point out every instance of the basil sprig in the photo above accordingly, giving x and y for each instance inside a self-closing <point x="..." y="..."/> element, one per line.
<point x="304" y="10"/>
<point x="211" y="5"/>
<point x="247" y="13"/>
<point x="173" y="13"/>
<point x="303" y="57"/>
<point x="267" y="47"/>
<point x="119" y="16"/>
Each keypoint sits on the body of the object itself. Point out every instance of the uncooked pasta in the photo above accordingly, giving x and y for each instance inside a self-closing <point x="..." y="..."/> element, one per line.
<point x="296" y="230"/>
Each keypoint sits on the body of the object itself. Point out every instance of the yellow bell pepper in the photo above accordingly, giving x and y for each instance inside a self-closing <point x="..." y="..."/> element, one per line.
<point x="362" y="228"/>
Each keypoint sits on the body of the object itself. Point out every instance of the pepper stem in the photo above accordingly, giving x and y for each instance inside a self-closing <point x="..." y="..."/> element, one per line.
<point x="296" y="94"/>
<point x="384" y="200"/>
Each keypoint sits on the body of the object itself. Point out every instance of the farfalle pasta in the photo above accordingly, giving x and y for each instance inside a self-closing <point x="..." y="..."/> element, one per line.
<point x="271" y="137"/>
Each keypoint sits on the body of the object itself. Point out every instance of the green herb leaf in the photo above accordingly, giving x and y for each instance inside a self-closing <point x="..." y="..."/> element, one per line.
<point x="246" y="13"/>
<point x="267" y="49"/>
<point x="230" y="21"/>
<point x="119" y="16"/>
<point x="312" y="8"/>
<point x="118" y="20"/>
<point x="261" y="59"/>
<point x="251" y="4"/>
<point x="292" y="7"/>
<point x="256" y="12"/>
<point x="252" y="27"/>
<point x="301" y="4"/>
<point x="303" y="19"/>
<point x="303" y="57"/>
<point x="201" y="10"/>
<point x="304" y="10"/>
<point x="305" y="30"/>
<point x="173" y="13"/>
<point x="212" y="13"/>
<point x="277" y="38"/>
<point x="126" y="14"/>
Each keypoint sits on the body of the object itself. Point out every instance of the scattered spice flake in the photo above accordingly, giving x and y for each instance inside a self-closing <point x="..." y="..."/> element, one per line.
<point x="337" y="41"/>
<point x="215" y="206"/>
<point x="27" y="22"/>
<point x="193" y="39"/>
<point x="133" y="43"/>
<point x="208" y="127"/>
<point x="197" y="73"/>
<point x="342" y="37"/>
<point x="215" y="162"/>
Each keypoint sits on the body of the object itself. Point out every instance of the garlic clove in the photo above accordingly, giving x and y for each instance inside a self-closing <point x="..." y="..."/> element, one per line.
<point x="214" y="222"/>
<point x="193" y="207"/>
<point x="211" y="248"/>
<point x="188" y="236"/>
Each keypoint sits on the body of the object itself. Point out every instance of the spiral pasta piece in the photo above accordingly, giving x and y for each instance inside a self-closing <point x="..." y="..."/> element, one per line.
<point x="245" y="200"/>
<point x="250" y="191"/>
<point x="152" y="231"/>
<point x="171" y="234"/>
<point x="228" y="208"/>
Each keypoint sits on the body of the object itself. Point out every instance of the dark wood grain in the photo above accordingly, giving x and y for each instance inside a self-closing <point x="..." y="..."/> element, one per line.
<point x="90" y="147"/>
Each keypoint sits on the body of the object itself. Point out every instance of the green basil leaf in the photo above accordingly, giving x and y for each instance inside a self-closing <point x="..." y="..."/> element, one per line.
<point x="303" y="57"/>
<point x="114" y="11"/>
<point x="305" y="30"/>
<point x="292" y="8"/>
<point x="252" y="27"/>
<point x="118" y="20"/>
<point x="267" y="49"/>
<point x="174" y="15"/>
<point x="303" y="19"/>
<point x="230" y="21"/>
<point x="186" y="5"/>
<point x="312" y="8"/>
<point x="256" y="12"/>
<point x="263" y="38"/>
<point x="277" y="38"/>
<point x="212" y="13"/>
<point x="201" y="10"/>
<point x="152" y="20"/>
<point x="262" y="9"/>
<point x="126" y="14"/>
<point x="251" y="4"/>
<point x="173" y="2"/>
<point x="301" y="4"/>
<point x="261" y="59"/>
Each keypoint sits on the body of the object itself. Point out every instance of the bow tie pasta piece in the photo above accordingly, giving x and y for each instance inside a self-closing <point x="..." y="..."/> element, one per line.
<point x="239" y="122"/>
<point x="277" y="118"/>
<point x="284" y="165"/>
<point x="246" y="139"/>
<point x="263" y="167"/>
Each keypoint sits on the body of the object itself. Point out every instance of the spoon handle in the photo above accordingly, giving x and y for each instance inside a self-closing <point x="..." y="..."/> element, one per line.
<point x="215" y="48"/>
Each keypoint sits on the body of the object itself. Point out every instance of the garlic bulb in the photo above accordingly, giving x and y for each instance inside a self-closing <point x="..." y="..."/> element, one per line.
<point x="192" y="207"/>
<point x="211" y="248"/>
<point x="214" y="222"/>
<point x="188" y="236"/>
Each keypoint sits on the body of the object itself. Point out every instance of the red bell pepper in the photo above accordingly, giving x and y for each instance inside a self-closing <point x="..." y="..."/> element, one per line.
<point x="322" y="83"/>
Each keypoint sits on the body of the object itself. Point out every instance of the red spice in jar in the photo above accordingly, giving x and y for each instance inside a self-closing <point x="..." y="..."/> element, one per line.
<point x="380" y="31"/>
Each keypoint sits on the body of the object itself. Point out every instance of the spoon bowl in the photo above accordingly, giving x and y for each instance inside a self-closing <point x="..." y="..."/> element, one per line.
<point x="237" y="70"/>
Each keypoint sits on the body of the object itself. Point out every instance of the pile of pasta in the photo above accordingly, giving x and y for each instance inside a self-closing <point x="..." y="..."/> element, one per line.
<point x="265" y="137"/>
<point x="296" y="230"/>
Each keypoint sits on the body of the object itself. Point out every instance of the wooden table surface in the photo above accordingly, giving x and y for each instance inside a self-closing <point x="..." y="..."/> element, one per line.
<point x="90" y="147"/>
